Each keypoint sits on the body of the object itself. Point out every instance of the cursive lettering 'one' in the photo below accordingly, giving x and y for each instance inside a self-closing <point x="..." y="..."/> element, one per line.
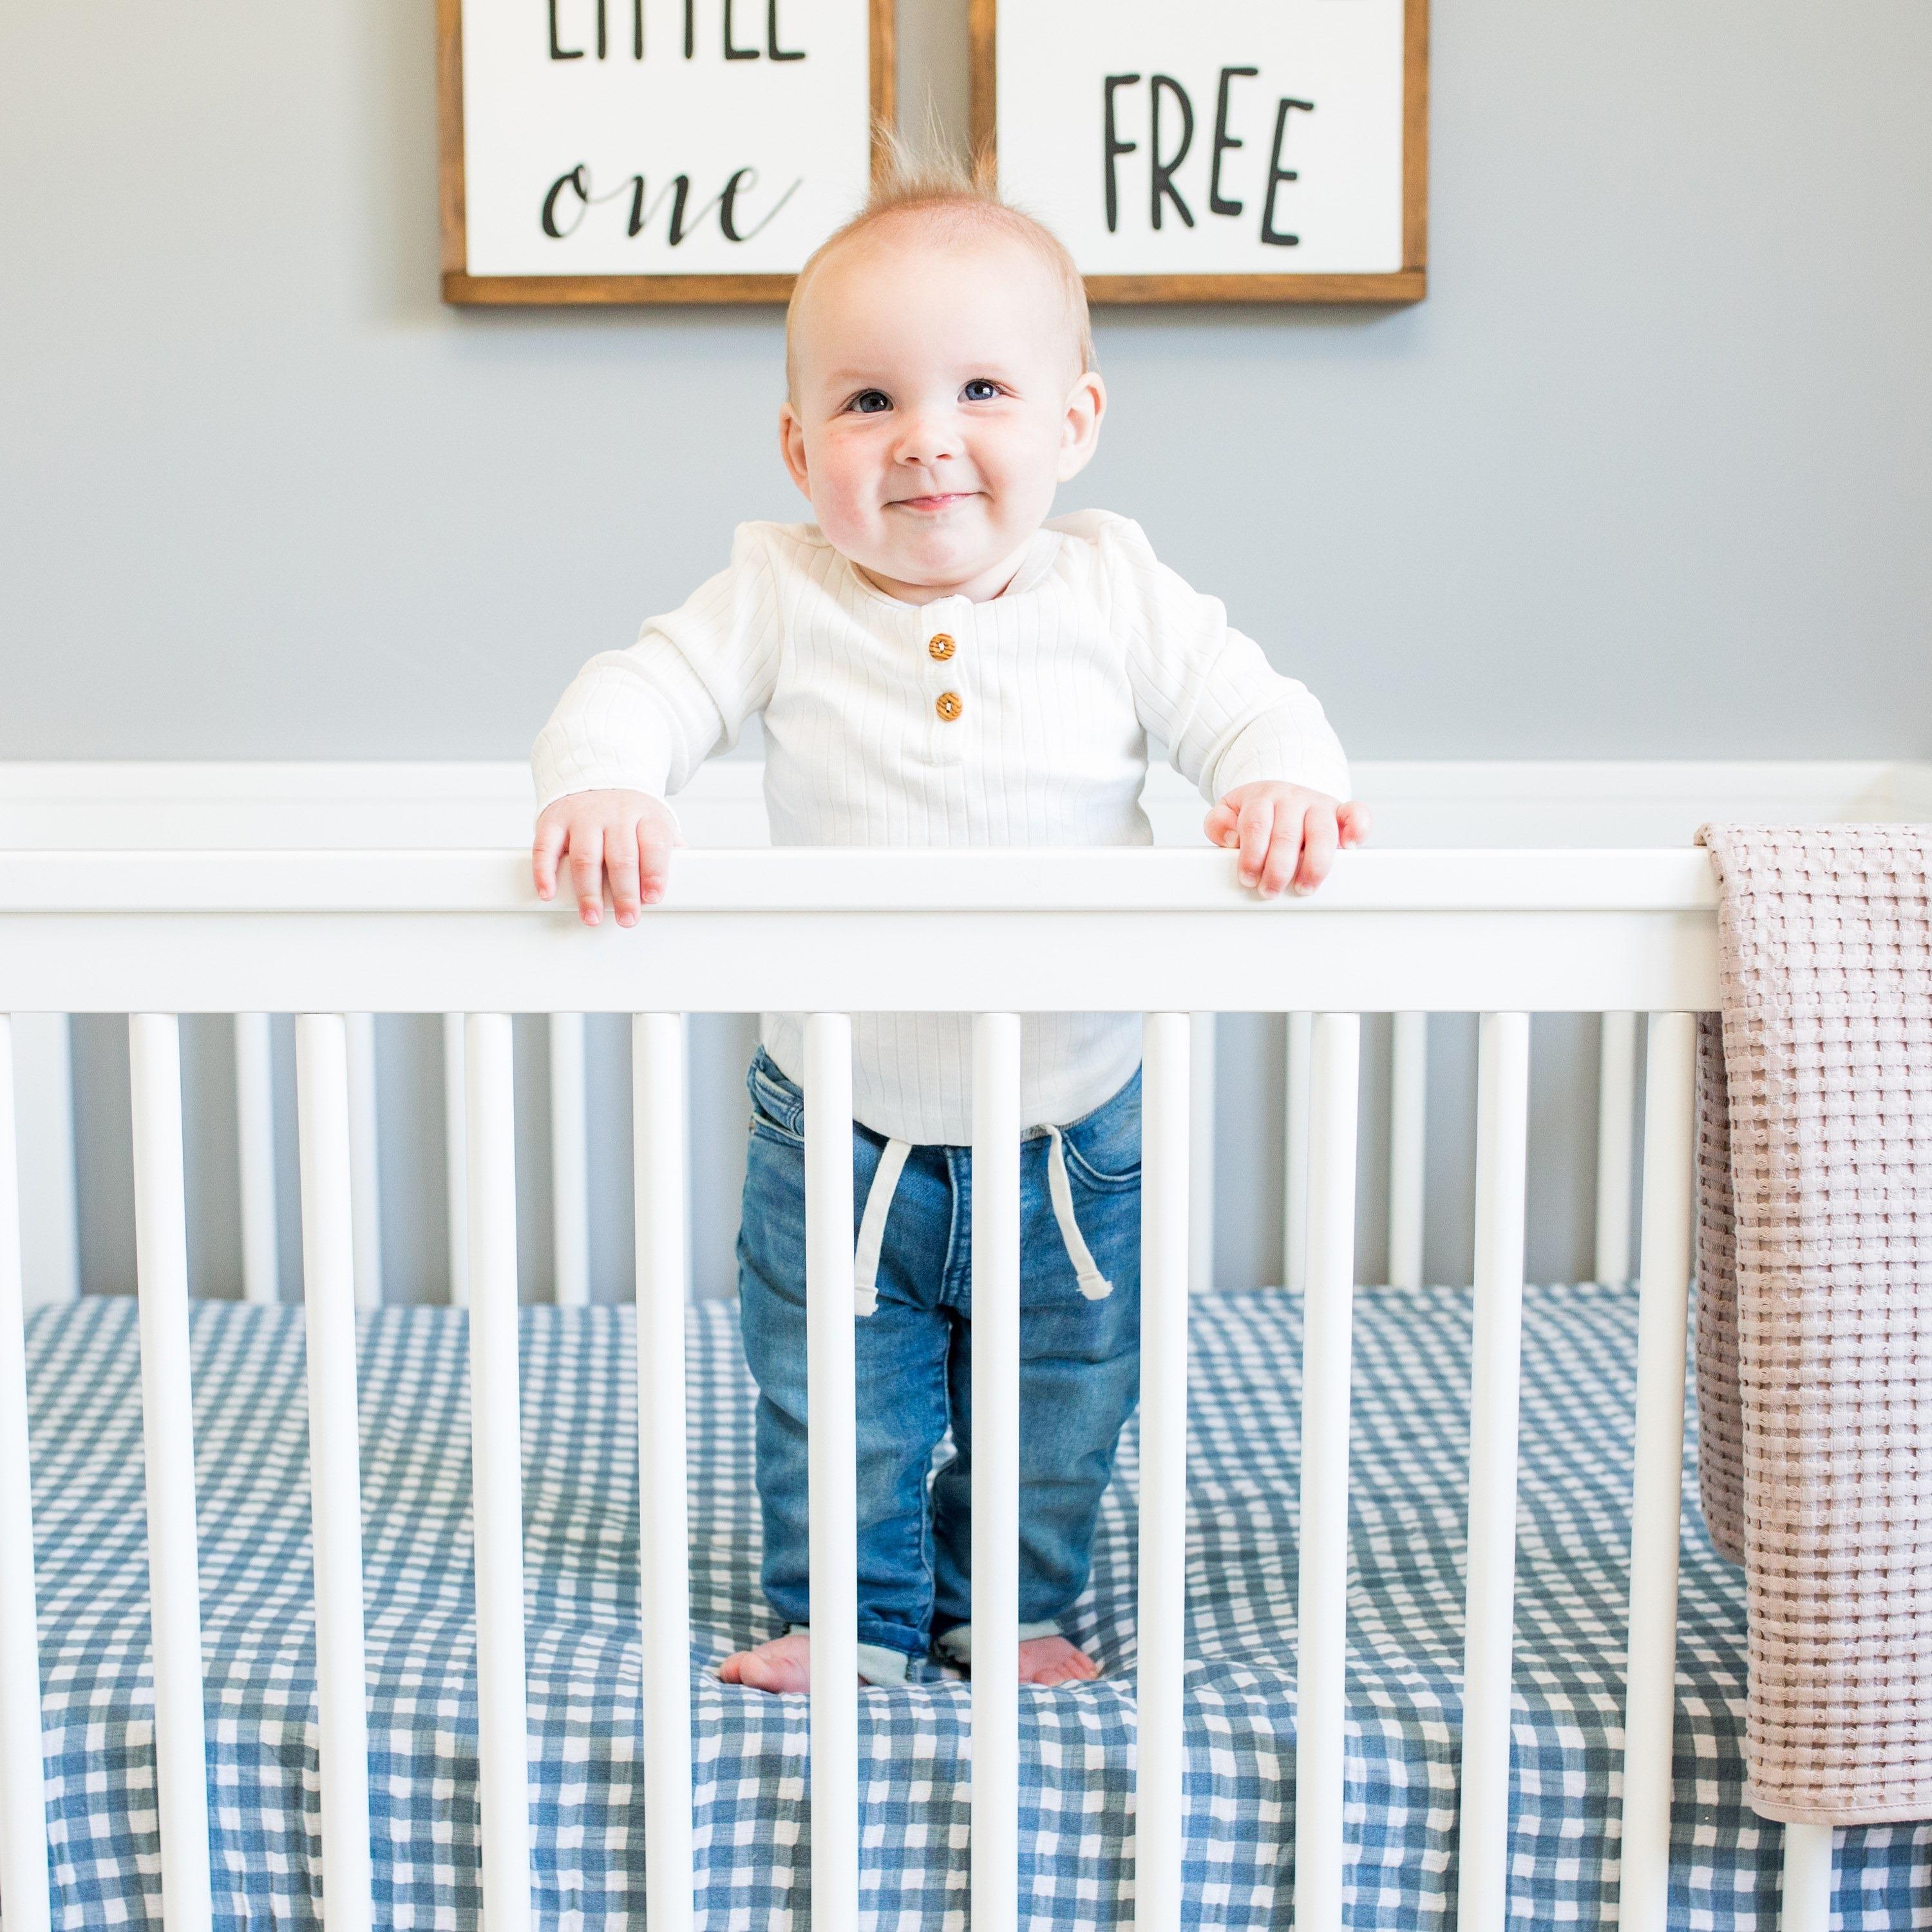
<point x="573" y="195"/>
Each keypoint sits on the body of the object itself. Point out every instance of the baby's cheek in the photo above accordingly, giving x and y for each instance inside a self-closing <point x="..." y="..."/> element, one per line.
<point x="1025" y="479"/>
<point x="842" y="501"/>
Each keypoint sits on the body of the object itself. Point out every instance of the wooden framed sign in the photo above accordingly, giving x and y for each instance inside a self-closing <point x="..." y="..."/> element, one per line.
<point x="653" y="150"/>
<point x="1215" y="150"/>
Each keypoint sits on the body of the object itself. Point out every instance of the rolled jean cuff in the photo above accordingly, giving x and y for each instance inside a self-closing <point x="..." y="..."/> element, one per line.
<point x="956" y="1645"/>
<point x="878" y="1662"/>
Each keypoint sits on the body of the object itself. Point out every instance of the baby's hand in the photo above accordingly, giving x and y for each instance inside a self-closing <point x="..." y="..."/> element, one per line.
<point x="1285" y="832"/>
<point x="629" y="834"/>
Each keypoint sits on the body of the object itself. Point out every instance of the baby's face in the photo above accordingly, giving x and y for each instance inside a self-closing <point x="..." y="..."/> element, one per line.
<point x="938" y="403"/>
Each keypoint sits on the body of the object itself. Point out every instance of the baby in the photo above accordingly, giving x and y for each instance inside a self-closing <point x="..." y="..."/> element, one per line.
<point x="937" y="664"/>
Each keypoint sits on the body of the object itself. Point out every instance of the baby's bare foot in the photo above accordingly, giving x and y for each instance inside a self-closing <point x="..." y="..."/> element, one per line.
<point x="1048" y="1660"/>
<point x="783" y="1664"/>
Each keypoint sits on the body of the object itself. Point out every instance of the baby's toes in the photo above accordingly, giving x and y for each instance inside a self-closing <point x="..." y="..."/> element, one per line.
<point x="1048" y="1661"/>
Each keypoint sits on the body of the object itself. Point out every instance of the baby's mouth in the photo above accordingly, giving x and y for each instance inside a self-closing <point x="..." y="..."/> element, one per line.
<point x="932" y="505"/>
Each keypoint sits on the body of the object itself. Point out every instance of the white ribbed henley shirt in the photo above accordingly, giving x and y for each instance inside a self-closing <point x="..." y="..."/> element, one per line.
<point x="1031" y="730"/>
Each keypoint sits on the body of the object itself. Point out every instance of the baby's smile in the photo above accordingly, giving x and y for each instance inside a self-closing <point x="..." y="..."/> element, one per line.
<point x="931" y="506"/>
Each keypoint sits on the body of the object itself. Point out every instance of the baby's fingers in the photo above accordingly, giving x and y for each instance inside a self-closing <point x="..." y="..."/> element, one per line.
<point x="1257" y="816"/>
<point x="1318" y="836"/>
<point x="1219" y="824"/>
<point x="620" y="861"/>
<point x="1284" y="849"/>
<point x="545" y="854"/>
<point x="655" y="841"/>
<point x="587" y="871"/>
<point x="1354" y="821"/>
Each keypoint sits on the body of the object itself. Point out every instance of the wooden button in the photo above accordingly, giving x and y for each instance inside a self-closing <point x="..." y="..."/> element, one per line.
<point x="942" y="647"/>
<point x="948" y="705"/>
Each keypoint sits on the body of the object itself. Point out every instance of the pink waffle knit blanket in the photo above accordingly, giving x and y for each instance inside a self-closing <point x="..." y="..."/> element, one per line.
<point x="1814" y="1309"/>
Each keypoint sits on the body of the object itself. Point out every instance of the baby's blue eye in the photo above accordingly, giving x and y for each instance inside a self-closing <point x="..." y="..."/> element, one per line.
<point x="981" y="389"/>
<point x="870" y="402"/>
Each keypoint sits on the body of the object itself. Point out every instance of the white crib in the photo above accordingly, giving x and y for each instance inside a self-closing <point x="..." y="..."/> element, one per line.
<point x="330" y="934"/>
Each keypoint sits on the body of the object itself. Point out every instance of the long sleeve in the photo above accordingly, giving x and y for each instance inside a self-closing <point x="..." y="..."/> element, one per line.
<point x="1226" y="715"/>
<point x="645" y="718"/>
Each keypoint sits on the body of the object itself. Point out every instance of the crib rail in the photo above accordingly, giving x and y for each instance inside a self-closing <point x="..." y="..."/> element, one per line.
<point x="833" y="931"/>
<point x="1167" y="934"/>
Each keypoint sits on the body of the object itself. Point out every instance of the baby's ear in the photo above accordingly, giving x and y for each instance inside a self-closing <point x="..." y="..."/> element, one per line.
<point x="1080" y="428"/>
<point x="791" y="446"/>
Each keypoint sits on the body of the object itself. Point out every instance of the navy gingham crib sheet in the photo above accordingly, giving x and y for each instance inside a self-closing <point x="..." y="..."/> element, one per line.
<point x="753" y="1823"/>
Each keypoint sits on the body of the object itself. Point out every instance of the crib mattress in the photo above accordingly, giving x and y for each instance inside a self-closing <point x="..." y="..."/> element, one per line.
<point x="1406" y="1598"/>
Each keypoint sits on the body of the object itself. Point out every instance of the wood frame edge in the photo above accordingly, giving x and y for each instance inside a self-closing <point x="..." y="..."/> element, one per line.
<point x="452" y="205"/>
<point x="983" y="94"/>
<point x="1394" y="288"/>
<point x="463" y="290"/>
<point x="1415" y="135"/>
<point x="883" y="52"/>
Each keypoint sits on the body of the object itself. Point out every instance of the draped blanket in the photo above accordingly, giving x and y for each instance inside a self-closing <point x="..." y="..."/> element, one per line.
<point x="1814" y="1311"/>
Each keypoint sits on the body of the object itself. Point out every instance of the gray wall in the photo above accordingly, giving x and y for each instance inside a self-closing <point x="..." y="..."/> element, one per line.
<point x="1649" y="474"/>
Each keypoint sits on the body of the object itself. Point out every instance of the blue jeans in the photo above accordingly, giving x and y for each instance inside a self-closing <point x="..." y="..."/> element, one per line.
<point x="1079" y="1363"/>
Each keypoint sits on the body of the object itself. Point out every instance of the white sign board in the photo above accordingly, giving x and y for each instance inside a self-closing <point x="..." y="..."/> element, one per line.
<point x="708" y="145"/>
<point x="1266" y="140"/>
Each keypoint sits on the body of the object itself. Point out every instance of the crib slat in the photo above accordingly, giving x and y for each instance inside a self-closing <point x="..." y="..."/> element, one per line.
<point x="23" y="1804"/>
<point x="831" y="1470"/>
<point x="1162" y="1620"/>
<point x="1807" y="1906"/>
<point x="1502" y="1152"/>
<point x="1616" y="1116"/>
<point x="691" y="1195"/>
<point x="996" y="1470"/>
<point x="1322" y="1667"/>
<point x="496" y="1452"/>
<point x="1295" y="1153"/>
<point x="658" y="1116"/>
<point x="456" y="1157"/>
<point x="1663" y="1294"/>
<point x="335" y="1468"/>
<point x="365" y="1160"/>
<point x="167" y="1430"/>
<point x="255" y="1149"/>
<point x="42" y="1094"/>
<point x="569" y="1161"/>
<point x="1202" y="1158"/>
<point x="1408" y="1143"/>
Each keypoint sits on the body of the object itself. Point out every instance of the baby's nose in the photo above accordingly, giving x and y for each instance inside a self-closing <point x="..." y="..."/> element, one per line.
<point x="927" y="439"/>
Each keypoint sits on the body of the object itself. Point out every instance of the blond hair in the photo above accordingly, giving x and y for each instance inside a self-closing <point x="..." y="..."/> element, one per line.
<point x="953" y="191"/>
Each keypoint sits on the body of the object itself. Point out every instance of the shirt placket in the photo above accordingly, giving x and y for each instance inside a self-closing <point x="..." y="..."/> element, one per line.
<point x="946" y="637"/>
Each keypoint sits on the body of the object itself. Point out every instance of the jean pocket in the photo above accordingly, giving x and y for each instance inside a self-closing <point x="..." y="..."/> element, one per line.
<point x="1104" y="1149"/>
<point x="777" y="1107"/>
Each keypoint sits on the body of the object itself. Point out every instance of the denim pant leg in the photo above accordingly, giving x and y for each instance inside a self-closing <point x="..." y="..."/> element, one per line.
<point x="1079" y="1372"/>
<point x="900" y="1352"/>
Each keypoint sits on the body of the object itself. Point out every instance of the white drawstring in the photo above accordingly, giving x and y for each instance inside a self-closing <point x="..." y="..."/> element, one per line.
<point x="1093" y="1285"/>
<point x="872" y="1226"/>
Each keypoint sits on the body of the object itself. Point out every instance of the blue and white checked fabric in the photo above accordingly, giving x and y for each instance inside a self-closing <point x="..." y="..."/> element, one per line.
<point x="752" y="1817"/>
